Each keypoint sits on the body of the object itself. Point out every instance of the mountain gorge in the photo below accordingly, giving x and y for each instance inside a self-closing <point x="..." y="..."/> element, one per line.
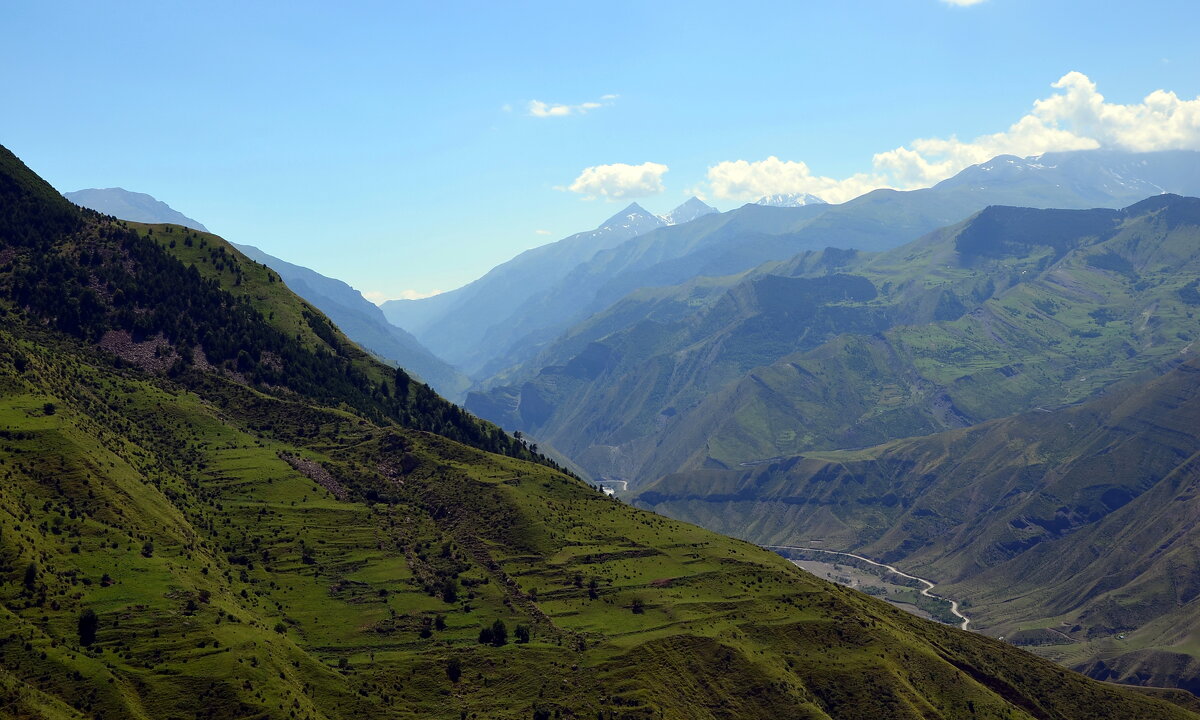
<point x="1006" y="405"/>
<point x="1073" y="529"/>
<point x="215" y="505"/>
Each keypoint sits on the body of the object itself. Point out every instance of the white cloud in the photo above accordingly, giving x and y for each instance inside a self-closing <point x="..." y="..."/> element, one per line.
<point x="739" y="179"/>
<point x="620" y="181"/>
<point x="962" y="3"/>
<point x="1077" y="117"/>
<point x="380" y="298"/>
<point x="540" y="109"/>
<point x="541" y="232"/>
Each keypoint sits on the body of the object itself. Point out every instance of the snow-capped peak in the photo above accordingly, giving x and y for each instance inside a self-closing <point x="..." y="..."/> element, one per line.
<point x="635" y="217"/>
<point x="789" y="200"/>
<point x="690" y="210"/>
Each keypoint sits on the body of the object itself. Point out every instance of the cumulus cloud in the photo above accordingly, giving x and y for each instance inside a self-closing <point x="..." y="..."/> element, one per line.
<point x="739" y="179"/>
<point x="540" y="109"/>
<point x="379" y="297"/>
<point x="620" y="181"/>
<point x="1077" y="117"/>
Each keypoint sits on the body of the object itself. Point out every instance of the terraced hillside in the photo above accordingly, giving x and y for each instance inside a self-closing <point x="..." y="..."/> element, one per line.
<point x="251" y="534"/>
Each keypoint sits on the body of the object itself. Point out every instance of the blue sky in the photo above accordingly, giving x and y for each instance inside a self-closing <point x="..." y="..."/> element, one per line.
<point x="398" y="146"/>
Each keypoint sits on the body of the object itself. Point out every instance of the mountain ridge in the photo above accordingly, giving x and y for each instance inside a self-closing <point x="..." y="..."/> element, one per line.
<point x="451" y="324"/>
<point x="129" y="205"/>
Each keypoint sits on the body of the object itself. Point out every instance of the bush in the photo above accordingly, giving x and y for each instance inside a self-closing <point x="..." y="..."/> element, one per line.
<point x="454" y="669"/>
<point x="450" y="590"/>
<point x="88" y="624"/>
<point x="499" y="633"/>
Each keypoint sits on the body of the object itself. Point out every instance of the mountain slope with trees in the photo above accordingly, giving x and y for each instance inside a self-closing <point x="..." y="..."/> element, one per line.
<point x="364" y="323"/>
<point x="360" y="320"/>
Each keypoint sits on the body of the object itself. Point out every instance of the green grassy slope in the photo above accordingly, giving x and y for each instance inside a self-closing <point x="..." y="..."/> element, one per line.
<point x="248" y="551"/>
<point x="1074" y="529"/>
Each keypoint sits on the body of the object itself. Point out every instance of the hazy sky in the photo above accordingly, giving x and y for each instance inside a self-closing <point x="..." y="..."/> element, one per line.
<point x="407" y="148"/>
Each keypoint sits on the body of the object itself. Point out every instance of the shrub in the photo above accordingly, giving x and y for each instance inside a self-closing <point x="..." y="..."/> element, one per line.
<point x="88" y="624"/>
<point x="499" y="633"/>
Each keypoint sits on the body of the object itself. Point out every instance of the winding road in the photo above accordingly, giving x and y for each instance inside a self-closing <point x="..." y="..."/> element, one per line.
<point x="924" y="591"/>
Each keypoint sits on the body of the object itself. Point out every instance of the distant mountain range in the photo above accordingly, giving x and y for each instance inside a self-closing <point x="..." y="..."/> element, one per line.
<point x="789" y="200"/>
<point x="360" y="319"/>
<point x="1053" y="350"/>
<point x="687" y="212"/>
<point x="1010" y="309"/>
<point x="469" y="325"/>
<point x="492" y="326"/>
